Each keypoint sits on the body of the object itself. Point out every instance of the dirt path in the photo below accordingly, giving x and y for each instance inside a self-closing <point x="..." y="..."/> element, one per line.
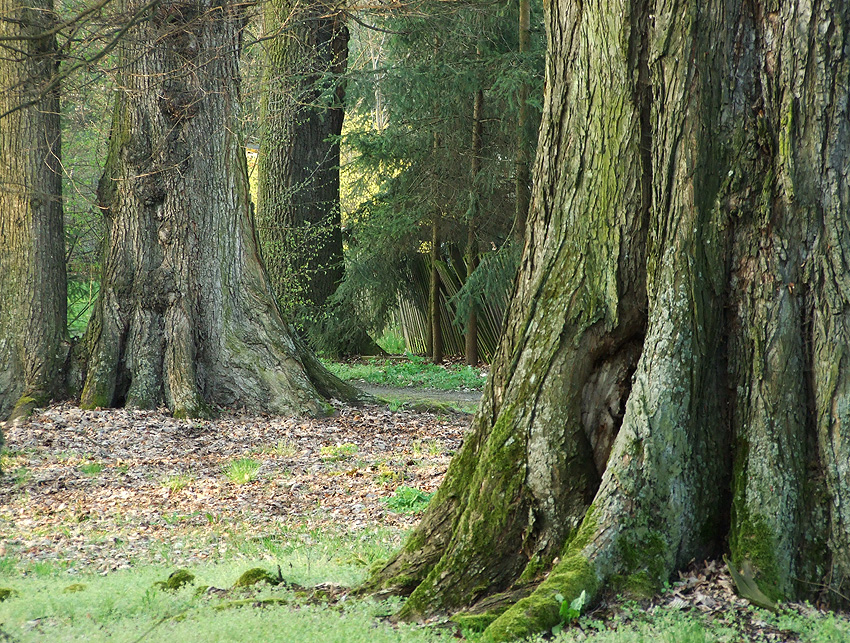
<point x="101" y="489"/>
<point x="465" y="401"/>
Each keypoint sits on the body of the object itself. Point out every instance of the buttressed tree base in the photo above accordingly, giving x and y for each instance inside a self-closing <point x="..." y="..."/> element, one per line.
<point x="674" y="379"/>
<point x="185" y="315"/>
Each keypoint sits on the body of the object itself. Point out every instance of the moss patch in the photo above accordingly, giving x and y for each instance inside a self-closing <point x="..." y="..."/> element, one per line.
<point x="176" y="580"/>
<point x="255" y="576"/>
<point x="541" y="611"/>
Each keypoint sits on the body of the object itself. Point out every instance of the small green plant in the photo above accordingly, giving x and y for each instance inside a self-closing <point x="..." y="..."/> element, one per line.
<point x="408" y="500"/>
<point x="337" y="452"/>
<point x="387" y="475"/>
<point x="569" y="612"/>
<point x="284" y="448"/>
<point x="243" y="470"/>
<point x="427" y="447"/>
<point x="91" y="468"/>
<point x="177" y="482"/>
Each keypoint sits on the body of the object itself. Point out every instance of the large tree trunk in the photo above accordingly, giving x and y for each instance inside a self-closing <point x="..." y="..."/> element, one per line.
<point x="674" y="375"/>
<point x="302" y="112"/>
<point x="33" y="290"/>
<point x="185" y="316"/>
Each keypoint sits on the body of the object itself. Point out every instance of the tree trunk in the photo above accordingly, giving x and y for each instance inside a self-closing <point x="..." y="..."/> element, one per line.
<point x="302" y="112"/>
<point x="523" y="135"/>
<point x="674" y="373"/>
<point x="185" y="315"/>
<point x="471" y="258"/>
<point x="33" y="289"/>
<point x="434" y="317"/>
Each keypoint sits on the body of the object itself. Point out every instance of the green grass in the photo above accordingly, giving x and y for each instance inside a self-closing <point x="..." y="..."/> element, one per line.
<point x="178" y="481"/>
<point x="413" y="371"/>
<point x="52" y="602"/>
<point x="392" y="341"/>
<point x="408" y="500"/>
<point x="126" y="606"/>
<point x="242" y="471"/>
<point x="91" y="468"/>
<point x="337" y="452"/>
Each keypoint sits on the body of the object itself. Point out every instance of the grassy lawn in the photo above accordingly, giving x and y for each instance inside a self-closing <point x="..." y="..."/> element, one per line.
<point x="411" y="371"/>
<point x="56" y="603"/>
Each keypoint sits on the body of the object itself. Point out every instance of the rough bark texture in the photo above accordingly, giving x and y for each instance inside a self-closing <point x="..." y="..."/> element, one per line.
<point x="674" y="376"/>
<point x="185" y="315"/>
<point x="302" y="112"/>
<point x="33" y="340"/>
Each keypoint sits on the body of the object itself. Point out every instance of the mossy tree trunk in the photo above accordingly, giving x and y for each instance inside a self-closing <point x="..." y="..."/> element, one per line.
<point x="185" y="315"/>
<point x="33" y="289"/>
<point x="298" y="208"/>
<point x="674" y="378"/>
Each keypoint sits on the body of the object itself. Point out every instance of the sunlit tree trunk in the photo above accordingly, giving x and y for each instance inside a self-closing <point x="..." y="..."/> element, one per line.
<point x="33" y="290"/>
<point x="302" y="113"/>
<point x="185" y="315"/>
<point x="674" y="375"/>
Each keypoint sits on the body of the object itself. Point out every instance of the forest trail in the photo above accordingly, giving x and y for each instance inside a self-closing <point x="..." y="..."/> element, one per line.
<point x="464" y="401"/>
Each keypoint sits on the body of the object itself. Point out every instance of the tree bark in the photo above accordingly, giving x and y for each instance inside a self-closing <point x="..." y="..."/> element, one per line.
<point x="33" y="289"/>
<point x="673" y="375"/>
<point x="434" y="316"/>
<point x="298" y="208"/>
<point x="524" y="143"/>
<point x="185" y="315"/>
<point x="471" y="258"/>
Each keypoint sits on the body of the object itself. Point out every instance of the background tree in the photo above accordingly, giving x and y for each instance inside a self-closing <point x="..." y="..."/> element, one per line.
<point x="185" y="315"/>
<point x="298" y="208"/>
<point x="433" y="63"/>
<point x="673" y="380"/>
<point x="33" y="342"/>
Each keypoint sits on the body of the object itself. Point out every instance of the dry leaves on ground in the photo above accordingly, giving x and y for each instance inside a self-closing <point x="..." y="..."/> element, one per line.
<point x="105" y="488"/>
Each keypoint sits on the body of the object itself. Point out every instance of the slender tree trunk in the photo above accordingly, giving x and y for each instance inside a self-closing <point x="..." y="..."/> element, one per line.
<point x="33" y="289"/>
<point x="185" y="315"/>
<point x="523" y="135"/>
<point x="673" y="375"/>
<point x="471" y="258"/>
<point x="302" y="113"/>
<point x="434" y="316"/>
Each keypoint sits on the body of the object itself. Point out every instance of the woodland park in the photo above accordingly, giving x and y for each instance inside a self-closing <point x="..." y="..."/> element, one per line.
<point x="242" y="243"/>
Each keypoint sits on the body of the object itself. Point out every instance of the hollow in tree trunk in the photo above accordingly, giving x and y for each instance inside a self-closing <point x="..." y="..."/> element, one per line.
<point x="33" y="290"/>
<point x="185" y="315"/>
<point x="674" y="377"/>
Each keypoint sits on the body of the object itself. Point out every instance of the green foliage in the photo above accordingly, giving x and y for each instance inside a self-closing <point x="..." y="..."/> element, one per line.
<point x="242" y="471"/>
<point x="407" y="147"/>
<point x="337" y="452"/>
<point x="176" y="580"/>
<point x="178" y="481"/>
<point x="408" y="500"/>
<point x="569" y="610"/>
<point x="91" y="468"/>
<point x="413" y="371"/>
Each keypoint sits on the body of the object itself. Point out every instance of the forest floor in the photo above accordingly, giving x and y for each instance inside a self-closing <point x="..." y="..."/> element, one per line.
<point x="103" y="491"/>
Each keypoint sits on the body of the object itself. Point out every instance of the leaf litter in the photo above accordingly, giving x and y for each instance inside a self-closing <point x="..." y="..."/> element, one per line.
<point x="161" y="494"/>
